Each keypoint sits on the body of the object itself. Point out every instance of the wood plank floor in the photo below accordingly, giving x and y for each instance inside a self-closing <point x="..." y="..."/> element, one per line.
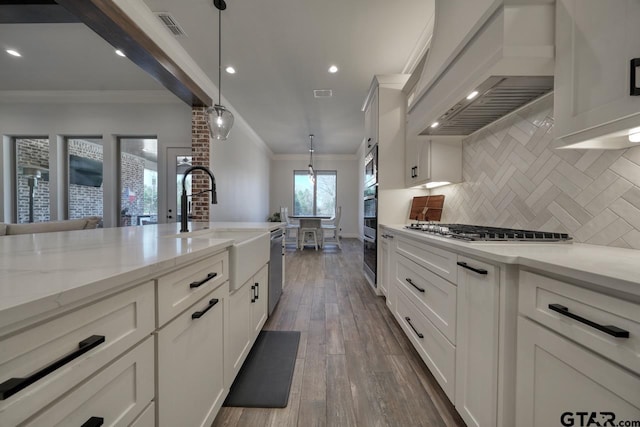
<point x="355" y="367"/>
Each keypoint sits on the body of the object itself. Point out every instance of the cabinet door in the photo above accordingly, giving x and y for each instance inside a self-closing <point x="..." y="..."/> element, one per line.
<point x="477" y="342"/>
<point x="374" y="108"/>
<point x="562" y="383"/>
<point x="190" y="370"/>
<point x="595" y="41"/>
<point x="259" y="306"/>
<point x="238" y="338"/>
<point x="383" y="264"/>
<point x="411" y="161"/>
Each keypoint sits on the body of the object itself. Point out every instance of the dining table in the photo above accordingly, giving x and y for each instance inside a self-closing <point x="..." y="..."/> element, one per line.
<point x="310" y="221"/>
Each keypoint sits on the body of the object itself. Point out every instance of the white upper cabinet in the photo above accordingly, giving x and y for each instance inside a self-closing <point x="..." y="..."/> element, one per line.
<point x="595" y="43"/>
<point x="431" y="160"/>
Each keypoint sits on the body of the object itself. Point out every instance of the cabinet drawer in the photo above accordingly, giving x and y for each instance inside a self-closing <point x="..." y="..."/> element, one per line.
<point x="438" y="261"/>
<point x="435" y="350"/>
<point x="123" y="320"/>
<point x="557" y="379"/>
<point x="117" y="395"/>
<point x="190" y="364"/>
<point x="434" y="296"/>
<point x="182" y="288"/>
<point x="538" y="293"/>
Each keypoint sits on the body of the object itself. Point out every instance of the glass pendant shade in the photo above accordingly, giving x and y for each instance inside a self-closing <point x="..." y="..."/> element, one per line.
<point x="220" y="122"/>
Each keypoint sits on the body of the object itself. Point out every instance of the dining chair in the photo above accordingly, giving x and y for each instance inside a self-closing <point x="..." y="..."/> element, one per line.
<point x="309" y="228"/>
<point x="331" y="229"/>
<point x="291" y="227"/>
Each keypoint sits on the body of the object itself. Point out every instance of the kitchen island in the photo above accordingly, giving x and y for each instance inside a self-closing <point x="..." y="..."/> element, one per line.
<point x="138" y="315"/>
<point x="519" y="333"/>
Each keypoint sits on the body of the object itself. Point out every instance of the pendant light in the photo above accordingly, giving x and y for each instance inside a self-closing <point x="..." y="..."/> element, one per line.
<point x="219" y="118"/>
<point x="312" y="173"/>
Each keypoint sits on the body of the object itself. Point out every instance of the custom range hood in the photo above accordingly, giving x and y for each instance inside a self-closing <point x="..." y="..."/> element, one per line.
<point x="486" y="59"/>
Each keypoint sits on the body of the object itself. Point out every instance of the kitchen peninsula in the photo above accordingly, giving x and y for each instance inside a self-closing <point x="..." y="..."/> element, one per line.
<point x="123" y="319"/>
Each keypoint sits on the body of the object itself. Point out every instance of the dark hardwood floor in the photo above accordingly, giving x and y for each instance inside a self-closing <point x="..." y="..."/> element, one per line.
<point x="355" y="367"/>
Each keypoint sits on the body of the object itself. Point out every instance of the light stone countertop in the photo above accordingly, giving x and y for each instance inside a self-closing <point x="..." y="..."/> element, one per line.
<point x="41" y="272"/>
<point x="609" y="267"/>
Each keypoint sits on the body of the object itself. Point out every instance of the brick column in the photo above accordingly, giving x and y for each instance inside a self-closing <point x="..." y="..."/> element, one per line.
<point x="200" y="151"/>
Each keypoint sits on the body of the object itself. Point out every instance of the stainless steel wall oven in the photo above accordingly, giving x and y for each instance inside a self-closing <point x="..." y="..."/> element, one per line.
<point x="371" y="214"/>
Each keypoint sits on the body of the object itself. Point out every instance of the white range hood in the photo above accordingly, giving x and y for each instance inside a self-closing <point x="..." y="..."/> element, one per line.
<point x="504" y="50"/>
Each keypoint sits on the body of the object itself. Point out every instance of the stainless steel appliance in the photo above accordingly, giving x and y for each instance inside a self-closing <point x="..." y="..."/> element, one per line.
<point x="477" y="233"/>
<point x="276" y="261"/>
<point x="371" y="214"/>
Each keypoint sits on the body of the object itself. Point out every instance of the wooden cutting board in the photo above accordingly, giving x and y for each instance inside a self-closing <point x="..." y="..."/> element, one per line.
<point x="427" y="208"/>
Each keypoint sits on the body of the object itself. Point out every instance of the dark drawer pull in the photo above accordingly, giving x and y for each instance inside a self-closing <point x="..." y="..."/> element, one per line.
<point x="203" y="281"/>
<point x="257" y="291"/>
<point x="414" y="329"/>
<point x="253" y="293"/>
<point x="93" y="422"/>
<point x="199" y="314"/>
<point x="634" y="90"/>
<point x="468" y="267"/>
<point x="409" y="281"/>
<point x="607" y="329"/>
<point x="14" y="385"/>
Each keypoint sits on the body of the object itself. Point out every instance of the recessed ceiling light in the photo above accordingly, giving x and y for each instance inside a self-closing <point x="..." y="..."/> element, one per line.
<point x="13" y="52"/>
<point x="472" y="95"/>
<point x="333" y="69"/>
<point x="230" y="70"/>
<point x="435" y="124"/>
<point x="120" y="53"/>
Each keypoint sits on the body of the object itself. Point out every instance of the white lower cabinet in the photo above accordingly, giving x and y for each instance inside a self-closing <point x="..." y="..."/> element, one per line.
<point x="115" y="396"/>
<point x="477" y="342"/>
<point x="247" y="314"/>
<point x="147" y="418"/>
<point x="190" y="382"/>
<point x="561" y="383"/>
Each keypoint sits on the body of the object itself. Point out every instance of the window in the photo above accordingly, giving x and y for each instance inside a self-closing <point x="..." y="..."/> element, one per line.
<point x="85" y="177"/>
<point x="138" y="181"/>
<point x="314" y="198"/>
<point x="32" y="158"/>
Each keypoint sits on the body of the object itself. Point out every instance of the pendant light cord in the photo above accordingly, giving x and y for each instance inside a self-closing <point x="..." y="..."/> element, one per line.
<point x="219" y="56"/>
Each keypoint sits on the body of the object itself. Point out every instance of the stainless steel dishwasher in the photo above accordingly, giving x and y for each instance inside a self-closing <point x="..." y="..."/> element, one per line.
<point x="276" y="260"/>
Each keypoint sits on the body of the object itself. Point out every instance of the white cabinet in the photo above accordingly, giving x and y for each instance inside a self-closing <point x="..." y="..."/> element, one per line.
<point x="578" y="352"/>
<point x="247" y="314"/>
<point x="383" y="277"/>
<point x="190" y="385"/>
<point x="595" y="43"/>
<point x="116" y="395"/>
<point x="477" y="342"/>
<point x="431" y="160"/>
<point x="559" y="379"/>
<point x="371" y="119"/>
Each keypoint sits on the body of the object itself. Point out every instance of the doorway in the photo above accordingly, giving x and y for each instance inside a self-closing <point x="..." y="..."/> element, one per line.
<point x="179" y="159"/>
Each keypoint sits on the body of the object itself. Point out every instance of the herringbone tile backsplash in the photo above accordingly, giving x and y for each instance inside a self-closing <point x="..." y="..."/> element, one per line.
<point x="514" y="178"/>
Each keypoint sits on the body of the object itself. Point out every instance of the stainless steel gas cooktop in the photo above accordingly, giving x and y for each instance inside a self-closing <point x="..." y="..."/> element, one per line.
<point x="474" y="233"/>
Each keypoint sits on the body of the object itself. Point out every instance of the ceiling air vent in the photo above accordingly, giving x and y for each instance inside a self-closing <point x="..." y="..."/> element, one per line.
<point x="171" y="24"/>
<point x="322" y="93"/>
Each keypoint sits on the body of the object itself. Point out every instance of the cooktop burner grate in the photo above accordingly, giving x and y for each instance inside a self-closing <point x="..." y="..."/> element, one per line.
<point x="492" y="234"/>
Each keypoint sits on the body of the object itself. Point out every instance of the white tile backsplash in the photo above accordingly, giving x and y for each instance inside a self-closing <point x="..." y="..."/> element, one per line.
<point x="514" y="178"/>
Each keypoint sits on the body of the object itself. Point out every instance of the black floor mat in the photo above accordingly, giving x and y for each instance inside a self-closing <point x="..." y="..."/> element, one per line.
<point x="264" y="381"/>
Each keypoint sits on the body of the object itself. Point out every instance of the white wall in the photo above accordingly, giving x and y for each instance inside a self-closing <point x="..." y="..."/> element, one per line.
<point x="169" y="121"/>
<point x="348" y="178"/>
<point x="241" y="165"/>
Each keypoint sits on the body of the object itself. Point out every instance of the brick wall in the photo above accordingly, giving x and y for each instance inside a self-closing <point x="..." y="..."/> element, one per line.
<point x="132" y="189"/>
<point x="33" y="152"/>
<point x="200" y="150"/>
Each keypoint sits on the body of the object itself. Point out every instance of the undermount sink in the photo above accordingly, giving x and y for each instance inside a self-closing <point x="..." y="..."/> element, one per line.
<point x="249" y="252"/>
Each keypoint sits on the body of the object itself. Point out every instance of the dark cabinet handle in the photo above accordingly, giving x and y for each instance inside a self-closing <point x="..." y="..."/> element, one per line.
<point x="253" y="293"/>
<point x="607" y="329"/>
<point x="634" y="90"/>
<point x="475" y="270"/>
<point x="257" y="291"/>
<point x="14" y="385"/>
<point x="199" y="314"/>
<point x="414" y="329"/>
<point x="93" y="422"/>
<point x="414" y="285"/>
<point x="203" y="281"/>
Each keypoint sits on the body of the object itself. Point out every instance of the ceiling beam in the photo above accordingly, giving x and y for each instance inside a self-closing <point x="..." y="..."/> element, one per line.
<point x="113" y="25"/>
<point x="34" y="12"/>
